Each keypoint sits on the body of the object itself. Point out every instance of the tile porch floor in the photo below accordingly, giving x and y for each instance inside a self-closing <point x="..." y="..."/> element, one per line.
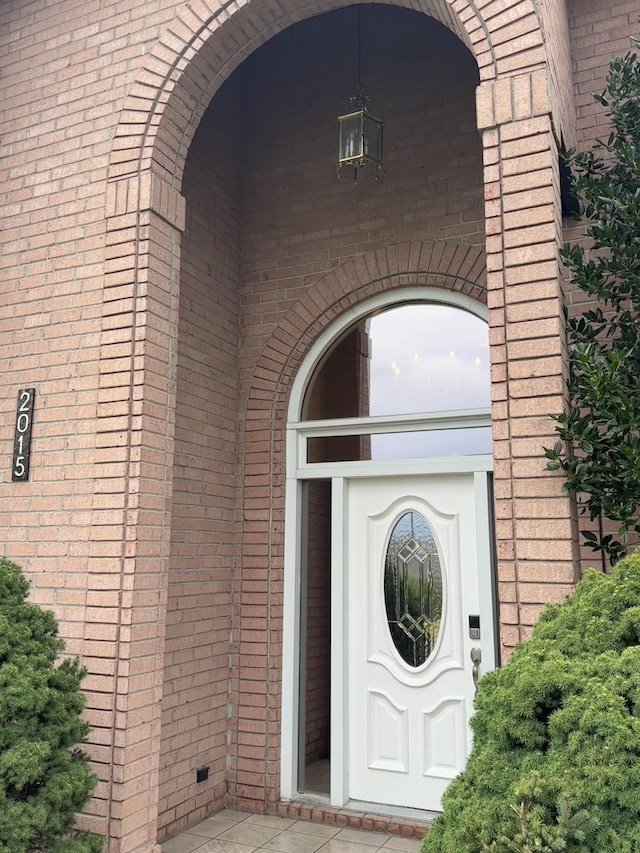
<point x="231" y="831"/>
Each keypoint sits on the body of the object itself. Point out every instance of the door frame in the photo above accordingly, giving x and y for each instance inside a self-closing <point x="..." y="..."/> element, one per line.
<point x="298" y="470"/>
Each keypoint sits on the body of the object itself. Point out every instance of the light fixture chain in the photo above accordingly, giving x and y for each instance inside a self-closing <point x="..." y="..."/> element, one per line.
<point x="360" y="49"/>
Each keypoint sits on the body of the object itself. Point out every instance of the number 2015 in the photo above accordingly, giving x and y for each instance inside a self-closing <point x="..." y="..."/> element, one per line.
<point x="22" y="436"/>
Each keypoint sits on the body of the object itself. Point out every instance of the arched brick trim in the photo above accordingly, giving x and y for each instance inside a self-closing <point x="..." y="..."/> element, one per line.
<point x="450" y="266"/>
<point x="207" y="40"/>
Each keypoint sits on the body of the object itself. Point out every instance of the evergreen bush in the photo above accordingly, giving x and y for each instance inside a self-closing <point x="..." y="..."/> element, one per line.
<point x="555" y="764"/>
<point x="44" y="778"/>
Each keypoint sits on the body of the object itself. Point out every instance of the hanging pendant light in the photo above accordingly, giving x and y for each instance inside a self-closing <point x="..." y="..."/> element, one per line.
<point x="359" y="129"/>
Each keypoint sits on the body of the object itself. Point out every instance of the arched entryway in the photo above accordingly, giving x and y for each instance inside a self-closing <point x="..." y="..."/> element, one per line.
<point x="389" y="576"/>
<point x="217" y="308"/>
<point x="269" y="230"/>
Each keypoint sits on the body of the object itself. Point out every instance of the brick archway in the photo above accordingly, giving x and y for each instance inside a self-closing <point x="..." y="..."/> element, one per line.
<point x="145" y="215"/>
<point x="207" y="40"/>
<point x="449" y="266"/>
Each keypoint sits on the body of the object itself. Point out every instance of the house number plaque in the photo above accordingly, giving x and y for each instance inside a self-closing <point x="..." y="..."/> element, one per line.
<point x="22" y="436"/>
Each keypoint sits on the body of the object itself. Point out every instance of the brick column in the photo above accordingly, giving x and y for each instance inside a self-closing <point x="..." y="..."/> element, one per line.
<point x="130" y="522"/>
<point x="534" y="526"/>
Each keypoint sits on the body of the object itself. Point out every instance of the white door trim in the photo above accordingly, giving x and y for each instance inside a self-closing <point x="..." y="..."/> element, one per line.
<point x="298" y="470"/>
<point x="339" y="698"/>
<point x="291" y="633"/>
<point x="487" y="592"/>
<point x="292" y="627"/>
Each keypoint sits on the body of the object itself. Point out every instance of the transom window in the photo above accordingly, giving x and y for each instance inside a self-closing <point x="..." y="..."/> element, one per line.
<point x="420" y="369"/>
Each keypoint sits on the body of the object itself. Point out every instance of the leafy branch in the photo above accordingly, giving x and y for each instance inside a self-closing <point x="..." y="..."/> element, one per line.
<point x="599" y="436"/>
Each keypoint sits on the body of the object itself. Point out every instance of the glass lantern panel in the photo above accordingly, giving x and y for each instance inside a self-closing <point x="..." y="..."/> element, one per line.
<point x="372" y="139"/>
<point x="413" y="588"/>
<point x="350" y="140"/>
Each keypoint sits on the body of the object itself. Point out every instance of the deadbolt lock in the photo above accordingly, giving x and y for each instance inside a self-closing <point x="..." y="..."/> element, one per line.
<point x="474" y="627"/>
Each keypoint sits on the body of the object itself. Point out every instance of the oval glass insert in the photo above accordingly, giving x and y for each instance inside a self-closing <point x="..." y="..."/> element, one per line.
<point x="413" y="588"/>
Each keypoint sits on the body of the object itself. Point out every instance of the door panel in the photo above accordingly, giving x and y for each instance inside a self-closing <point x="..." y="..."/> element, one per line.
<point x="388" y="741"/>
<point x="410" y="684"/>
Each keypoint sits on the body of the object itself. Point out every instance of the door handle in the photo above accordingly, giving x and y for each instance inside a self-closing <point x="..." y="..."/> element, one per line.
<point x="476" y="659"/>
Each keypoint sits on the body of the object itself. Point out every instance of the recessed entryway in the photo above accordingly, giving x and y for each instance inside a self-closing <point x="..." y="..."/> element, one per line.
<point x="389" y="604"/>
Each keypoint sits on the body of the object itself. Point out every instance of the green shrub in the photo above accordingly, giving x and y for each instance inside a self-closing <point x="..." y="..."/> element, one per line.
<point x="599" y="447"/>
<point x="44" y="778"/>
<point x="555" y="763"/>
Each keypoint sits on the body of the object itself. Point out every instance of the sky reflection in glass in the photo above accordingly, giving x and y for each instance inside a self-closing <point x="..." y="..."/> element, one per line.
<point x="428" y="358"/>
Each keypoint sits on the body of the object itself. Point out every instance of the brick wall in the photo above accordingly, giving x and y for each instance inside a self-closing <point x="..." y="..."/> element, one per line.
<point x="205" y="527"/>
<point x="65" y="72"/>
<point x="57" y="119"/>
<point x="90" y="318"/>
<point x="555" y="26"/>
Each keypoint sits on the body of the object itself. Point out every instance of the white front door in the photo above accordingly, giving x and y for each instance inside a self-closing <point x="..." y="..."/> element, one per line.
<point x="417" y="568"/>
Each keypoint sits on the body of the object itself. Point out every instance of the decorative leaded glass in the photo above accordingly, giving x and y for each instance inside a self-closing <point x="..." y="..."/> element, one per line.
<point x="413" y="588"/>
